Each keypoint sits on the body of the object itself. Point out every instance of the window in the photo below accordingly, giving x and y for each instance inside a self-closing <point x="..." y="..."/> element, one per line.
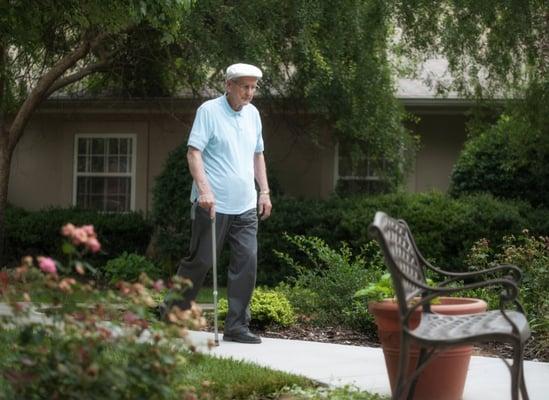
<point x="104" y="177"/>
<point x="362" y="176"/>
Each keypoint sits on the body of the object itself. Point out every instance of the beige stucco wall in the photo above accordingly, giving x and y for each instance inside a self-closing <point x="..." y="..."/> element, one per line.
<point x="302" y="167"/>
<point x="441" y="140"/>
<point x="43" y="164"/>
<point x="39" y="172"/>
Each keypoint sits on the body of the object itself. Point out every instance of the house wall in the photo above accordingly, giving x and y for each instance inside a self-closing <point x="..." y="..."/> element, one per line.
<point x="441" y="138"/>
<point x="43" y="163"/>
<point x="302" y="167"/>
<point x="40" y="171"/>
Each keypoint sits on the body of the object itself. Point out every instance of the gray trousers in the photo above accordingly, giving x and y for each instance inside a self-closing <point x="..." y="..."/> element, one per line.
<point x="241" y="233"/>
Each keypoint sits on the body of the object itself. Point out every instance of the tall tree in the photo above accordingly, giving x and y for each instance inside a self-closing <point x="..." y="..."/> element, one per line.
<point x="493" y="47"/>
<point x="330" y="60"/>
<point x="46" y="45"/>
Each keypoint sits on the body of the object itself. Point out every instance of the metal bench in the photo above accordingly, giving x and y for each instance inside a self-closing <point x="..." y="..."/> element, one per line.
<point x="408" y="268"/>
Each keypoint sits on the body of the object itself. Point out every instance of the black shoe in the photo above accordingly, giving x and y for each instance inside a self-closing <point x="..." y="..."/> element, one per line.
<point x="242" y="337"/>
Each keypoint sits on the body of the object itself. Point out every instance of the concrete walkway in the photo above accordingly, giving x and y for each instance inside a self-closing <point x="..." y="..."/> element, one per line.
<point x="364" y="367"/>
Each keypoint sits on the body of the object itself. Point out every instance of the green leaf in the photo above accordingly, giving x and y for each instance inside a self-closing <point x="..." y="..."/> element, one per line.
<point x="68" y="248"/>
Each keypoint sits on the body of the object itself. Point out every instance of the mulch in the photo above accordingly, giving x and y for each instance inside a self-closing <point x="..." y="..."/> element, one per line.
<point x="338" y="335"/>
<point x="308" y="332"/>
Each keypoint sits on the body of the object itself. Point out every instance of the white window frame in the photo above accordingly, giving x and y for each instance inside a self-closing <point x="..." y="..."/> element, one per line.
<point x="367" y="177"/>
<point x="105" y="136"/>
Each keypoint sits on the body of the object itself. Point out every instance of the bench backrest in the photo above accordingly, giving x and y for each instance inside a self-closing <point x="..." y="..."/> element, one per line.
<point x="401" y="257"/>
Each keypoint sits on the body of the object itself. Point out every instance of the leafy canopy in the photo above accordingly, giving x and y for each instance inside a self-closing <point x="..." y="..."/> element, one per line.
<point x="35" y="35"/>
<point x="493" y="47"/>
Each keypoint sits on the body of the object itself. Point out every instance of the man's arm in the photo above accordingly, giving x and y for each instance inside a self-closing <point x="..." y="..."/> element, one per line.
<point x="206" y="198"/>
<point x="264" y="205"/>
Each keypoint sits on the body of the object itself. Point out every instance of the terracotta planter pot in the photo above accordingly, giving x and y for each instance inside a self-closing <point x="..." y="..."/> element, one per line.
<point x="444" y="377"/>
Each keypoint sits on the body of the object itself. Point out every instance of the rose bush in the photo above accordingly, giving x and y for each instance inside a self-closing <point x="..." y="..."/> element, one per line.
<point x="102" y="349"/>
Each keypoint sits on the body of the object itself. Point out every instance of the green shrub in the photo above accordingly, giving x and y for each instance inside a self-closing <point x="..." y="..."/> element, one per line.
<point x="508" y="160"/>
<point x="171" y="209"/>
<point x="268" y="307"/>
<point x="444" y="228"/>
<point x="128" y="267"/>
<point x="42" y="366"/>
<point x="38" y="232"/>
<point x="295" y="217"/>
<point x="531" y="255"/>
<point x="325" y="285"/>
<point x="93" y="351"/>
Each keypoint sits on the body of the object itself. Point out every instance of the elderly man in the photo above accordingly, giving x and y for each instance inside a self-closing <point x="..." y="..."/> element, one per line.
<point x="225" y="156"/>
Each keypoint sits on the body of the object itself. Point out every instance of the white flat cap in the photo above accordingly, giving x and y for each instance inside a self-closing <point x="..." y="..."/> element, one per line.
<point x="238" y="70"/>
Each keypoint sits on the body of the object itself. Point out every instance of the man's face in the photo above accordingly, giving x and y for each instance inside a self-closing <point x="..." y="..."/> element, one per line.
<point x="240" y="91"/>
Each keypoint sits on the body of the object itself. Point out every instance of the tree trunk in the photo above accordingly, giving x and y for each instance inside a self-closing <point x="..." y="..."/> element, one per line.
<point x="6" y="153"/>
<point x="11" y="133"/>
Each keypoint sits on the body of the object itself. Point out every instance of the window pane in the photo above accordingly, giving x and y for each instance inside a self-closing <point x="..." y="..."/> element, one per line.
<point x="113" y="185"/>
<point x="82" y="146"/>
<point x="111" y="156"/>
<point x="96" y="202"/>
<point x="124" y="186"/>
<point x="97" y="186"/>
<point x="111" y="204"/>
<point x="125" y="146"/>
<point x="113" y="146"/>
<point x="81" y="185"/>
<point x="124" y="167"/>
<point x="97" y="164"/>
<point x="98" y="146"/>
<point x="113" y="164"/>
<point x="81" y="164"/>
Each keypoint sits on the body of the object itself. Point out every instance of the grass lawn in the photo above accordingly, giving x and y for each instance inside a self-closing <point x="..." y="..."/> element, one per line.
<point x="205" y="295"/>
<point x="210" y="378"/>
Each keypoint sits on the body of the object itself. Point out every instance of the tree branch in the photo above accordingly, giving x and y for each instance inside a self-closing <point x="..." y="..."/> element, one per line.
<point x="67" y="80"/>
<point x="44" y="84"/>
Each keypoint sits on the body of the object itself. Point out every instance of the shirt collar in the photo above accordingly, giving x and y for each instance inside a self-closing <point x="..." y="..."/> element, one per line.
<point x="228" y="107"/>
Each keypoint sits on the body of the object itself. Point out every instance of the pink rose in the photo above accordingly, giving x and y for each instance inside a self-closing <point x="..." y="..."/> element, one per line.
<point x="79" y="236"/>
<point x="93" y="245"/>
<point x="47" y="265"/>
<point x="89" y="230"/>
<point x="158" y="285"/>
<point x="67" y="229"/>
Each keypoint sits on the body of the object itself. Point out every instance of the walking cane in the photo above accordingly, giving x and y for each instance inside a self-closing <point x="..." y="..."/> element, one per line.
<point x="214" y="272"/>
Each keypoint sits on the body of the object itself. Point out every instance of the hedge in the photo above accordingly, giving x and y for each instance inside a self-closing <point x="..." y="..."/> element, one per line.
<point x="38" y="232"/>
<point x="444" y="228"/>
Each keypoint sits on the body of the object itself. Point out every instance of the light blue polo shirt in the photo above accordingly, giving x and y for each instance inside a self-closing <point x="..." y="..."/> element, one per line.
<point x="228" y="141"/>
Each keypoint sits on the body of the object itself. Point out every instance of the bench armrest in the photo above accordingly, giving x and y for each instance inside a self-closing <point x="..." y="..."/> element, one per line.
<point x="509" y="294"/>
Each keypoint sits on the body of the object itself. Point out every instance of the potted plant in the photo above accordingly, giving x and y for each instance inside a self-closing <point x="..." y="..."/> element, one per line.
<point x="444" y="377"/>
